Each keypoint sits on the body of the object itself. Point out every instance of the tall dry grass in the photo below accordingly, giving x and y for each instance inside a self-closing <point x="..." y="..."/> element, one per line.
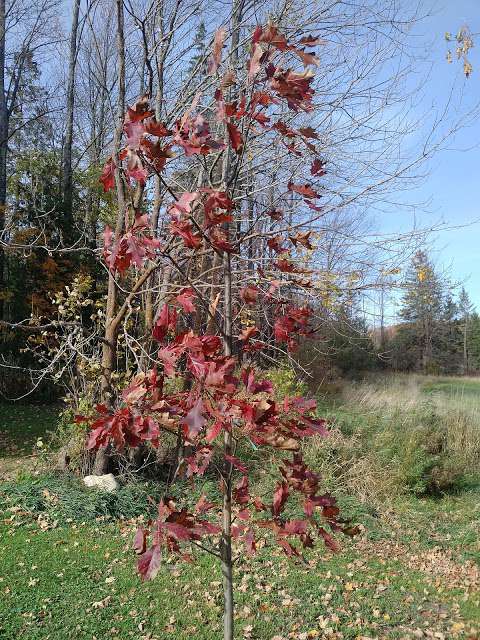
<point x="401" y="434"/>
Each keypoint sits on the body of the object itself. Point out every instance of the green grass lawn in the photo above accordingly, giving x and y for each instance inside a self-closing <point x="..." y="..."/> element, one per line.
<point x="67" y="569"/>
<point x="456" y="387"/>
<point x="69" y="574"/>
<point x="78" y="581"/>
<point x="21" y="425"/>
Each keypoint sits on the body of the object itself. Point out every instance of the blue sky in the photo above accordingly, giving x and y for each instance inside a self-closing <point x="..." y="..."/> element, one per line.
<point x="452" y="188"/>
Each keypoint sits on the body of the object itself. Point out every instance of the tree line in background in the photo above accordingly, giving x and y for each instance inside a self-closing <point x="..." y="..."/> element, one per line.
<point x="440" y="329"/>
<point x="63" y="86"/>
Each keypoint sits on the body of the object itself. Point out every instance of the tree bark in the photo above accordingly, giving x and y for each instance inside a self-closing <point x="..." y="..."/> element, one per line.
<point x="70" y="105"/>
<point x="226" y="541"/>
<point x="3" y="150"/>
<point x="109" y="349"/>
<point x="157" y="201"/>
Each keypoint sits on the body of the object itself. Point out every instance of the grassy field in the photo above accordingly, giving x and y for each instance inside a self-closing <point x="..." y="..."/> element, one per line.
<point x="67" y="569"/>
<point x="456" y="387"/>
<point x="21" y="425"/>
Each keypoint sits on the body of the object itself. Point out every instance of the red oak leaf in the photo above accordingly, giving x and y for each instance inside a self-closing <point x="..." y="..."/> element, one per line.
<point x="140" y="110"/>
<point x="135" y="168"/>
<point x="156" y="154"/>
<point x="293" y="87"/>
<point x="157" y="129"/>
<point x="274" y="214"/>
<point x="238" y="464"/>
<point x="330" y="542"/>
<point x="108" y="175"/>
<point x="248" y="333"/>
<point x="249" y="294"/>
<point x="275" y="244"/>
<point x="317" y="168"/>
<point x="194" y="421"/>
<point x="311" y="41"/>
<point x="214" y="431"/>
<point x="308" y="132"/>
<point x="183" y="205"/>
<point x="134" y="132"/>
<point x="148" y="564"/>
<point x="283" y="328"/>
<point x="217" y="207"/>
<point x="135" y="390"/>
<point x="240" y="492"/>
<point x="184" y="229"/>
<point x="280" y="497"/>
<point x="253" y="387"/>
<point x="185" y="300"/>
<point x="289" y="549"/>
<point x="235" y="137"/>
<point x="166" y="321"/>
<point x="168" y="356"/>
<point x="203" y="505"/>
<point x="140" y="541"/>
<point x="285" y="130"/>
<point x="285" y="265"/>
<point x="250" y="544"/>
<point x="198" y="463"/>
<point x="303" y="190"/>
<point x="219" y="240"/>
<point x="215" y="59"/>
<point x="197" y="365"/>
<point x="255" y="61"/>
<point x="303" y="239"/>
<point x="307" y="58"/>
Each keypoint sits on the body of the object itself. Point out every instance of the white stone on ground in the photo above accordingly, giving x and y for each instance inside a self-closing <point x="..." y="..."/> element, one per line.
<point x="106" y="482"/>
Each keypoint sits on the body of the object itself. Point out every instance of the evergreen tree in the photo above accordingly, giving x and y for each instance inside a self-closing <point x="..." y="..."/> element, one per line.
<point x="200" y="50"/>
<point x="423" y="306"/>
<point x="466" y="308"/>
<point x="474" y="342"/>
<point x="447" y="341"/>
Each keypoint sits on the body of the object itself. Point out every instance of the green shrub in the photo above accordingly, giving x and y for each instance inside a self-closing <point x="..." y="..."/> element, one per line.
<point x="65" y="498"/>
<point x="286" y="382"/>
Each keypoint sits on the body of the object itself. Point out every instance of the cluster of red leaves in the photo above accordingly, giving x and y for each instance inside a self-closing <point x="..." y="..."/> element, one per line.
<point x="171" y="528"/>
<point x="143" y="152"/>
<point x="216" y="206"/>
<point x="295" y="322"/>
<point x="133" y="247"/>
<point x="294" y="87"/>
<point x="219" y="399"/>
<point x="193" y="135"/>
<point x="221" y="395"/>
<point x="149" y="145"/>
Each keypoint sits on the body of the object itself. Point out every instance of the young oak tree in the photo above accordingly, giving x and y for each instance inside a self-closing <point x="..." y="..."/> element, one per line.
<point x="223" y="407"/>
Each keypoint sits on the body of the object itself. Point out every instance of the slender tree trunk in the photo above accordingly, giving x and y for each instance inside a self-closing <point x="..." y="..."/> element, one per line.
<point x="382" y="318"/>
<point x="3" y="150"/>
<point x="157" y="201"/>
<point x="226" y="542"/>
<point x="67" y="147"/>
<point x="109" y="349"/>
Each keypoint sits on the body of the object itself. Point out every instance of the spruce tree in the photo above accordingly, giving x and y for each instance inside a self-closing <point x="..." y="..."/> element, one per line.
<point x="466" y="309"/>
<point x="422" y="308"/>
